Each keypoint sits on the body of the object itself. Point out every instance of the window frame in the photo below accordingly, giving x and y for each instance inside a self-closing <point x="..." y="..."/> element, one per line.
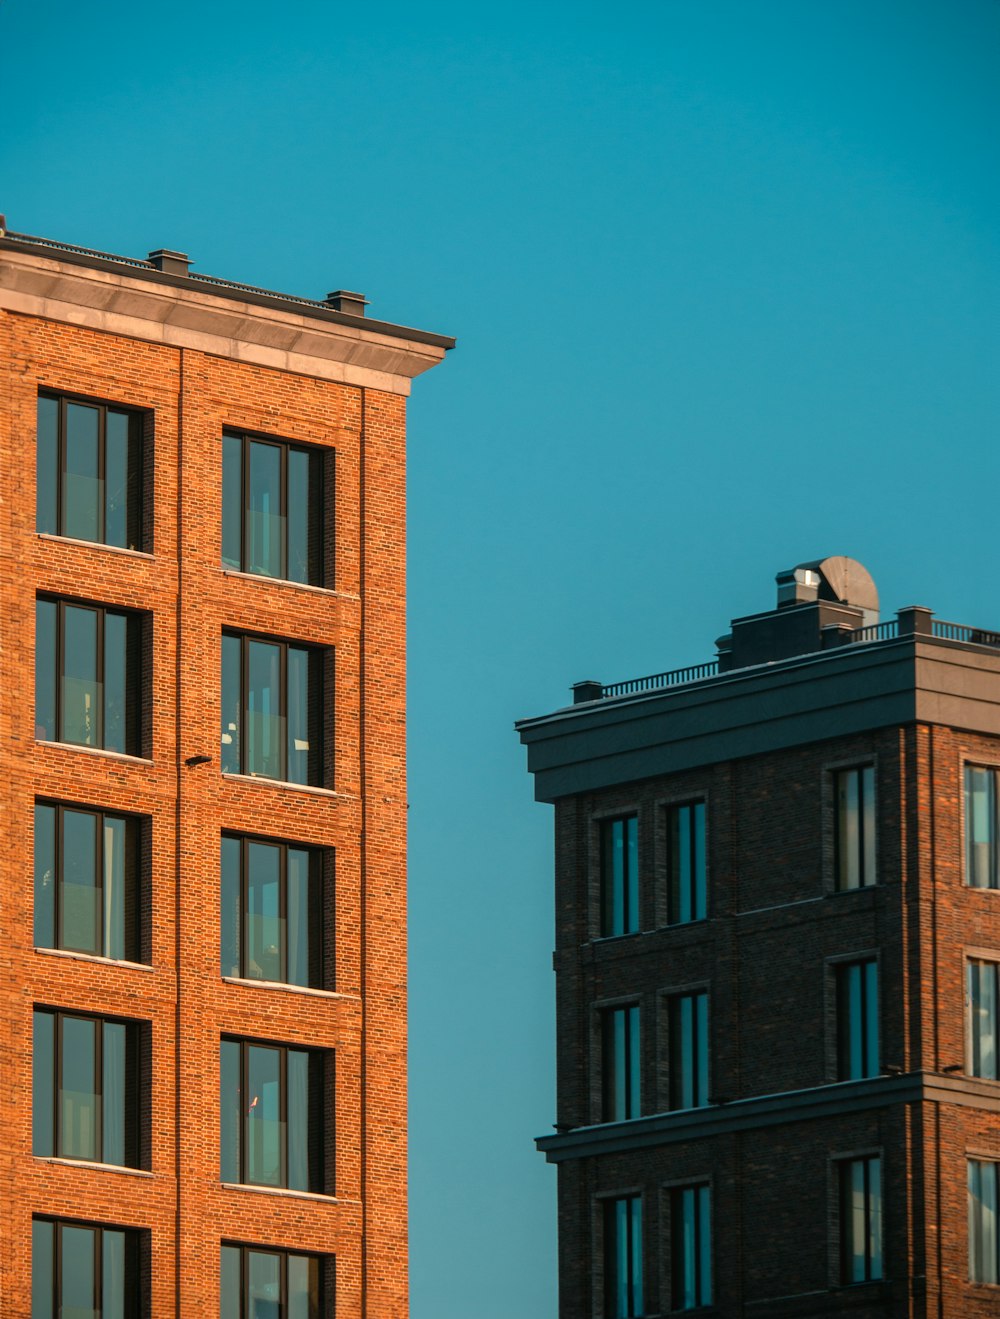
<point x="317" y="458"/>
<point x="131" y="1085"/>
<point x="699" y="1223"/>
<point x="873" y="1208"/>
<point x="973" y="1036"/>
<point x="698" y="1078"/>
<point x="624" y="1045"/>
<point x="131" y="898"/>
<point x="865" y="1012"/>
<point x="992" y="867"/>
<point x="135" y="446"/>
<point x="320" y="1104"/>
<point x="132" y="1282"/>
<point x="320" y="958"/>
<point x="860" y="861"/>
<point x="323" y="1269"/>
<point x="979" y="1244"/>
<point x="632" y="1250"/>
<point x="629" y="900"/>
<point x="695" y="898"/>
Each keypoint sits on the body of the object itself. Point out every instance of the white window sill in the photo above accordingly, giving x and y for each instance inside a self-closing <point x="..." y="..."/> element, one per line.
<point x="284" y="1191"/>
<point x="95" y="545"/>
<point x="283" y="783"/>
<point x="94" y="751"/>
<point x="247" y="983"/>
<point x="284" y="581"/>
<point x="74" y="956"/>
<point x="93" y="1167"/>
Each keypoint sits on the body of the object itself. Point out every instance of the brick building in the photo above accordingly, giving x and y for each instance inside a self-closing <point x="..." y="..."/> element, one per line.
<point x="777" y="960"/>
<point x="202" y="1022"/>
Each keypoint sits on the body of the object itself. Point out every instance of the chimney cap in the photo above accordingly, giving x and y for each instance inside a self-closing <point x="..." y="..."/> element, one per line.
<point x="352" y="304"/>
<point x="170" y="262"/>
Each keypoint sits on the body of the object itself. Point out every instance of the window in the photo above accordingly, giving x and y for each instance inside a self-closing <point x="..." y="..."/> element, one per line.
<point x="89" y="472"/>
<point x="81" y="1269"/>
<point x="688" y="1026"/>
<point x="621" y="1064"/>
<point x="690" y="1247"/>
<point x="855" y="827"/>
<point x="272" y="1115"/>
<point x="87" y="676"/>
<point x="686" y="890"/>
<point x="85" y="1097"/>
<point x="271" y="709"/>
<point x="984" y="1238"/>
<point x="981" y="865"/>
<point x="272" y="509"/>
<point x="861" y="1220"/>
<point x="620" y="876"/>
<point x="270" y="1284"/>
<point x="86" y="881"/>
<point x="982" y="1008"/>
<point x="623" y="1258"/>
<point x="272" y="912"/>
<point x="857" y="1020"/>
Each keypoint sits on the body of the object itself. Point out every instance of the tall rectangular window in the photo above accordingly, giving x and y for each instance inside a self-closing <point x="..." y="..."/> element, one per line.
<point x="87" y="676"/>
<point x="984" y="1217"/>
<point x="620" y="876"/>
<point x="272" y="911"/>
<point x="688" y="1026"/>
<point x="83" y="1271"/>
<point x="272" y="1115"/>
<point x="86" y="881"/>
<point x="623" y="1290"/>
<point x="857" y="1020"/>
<point x="686" y="887"/>
<point x="982" y="993"/>
<point x="272" y="709"/>
<point x="855" y="827"/>
<point x="621" y="1064"/>
<point x="85" y="1098"/>
<point x="272" y="509"/>
<point x="861" y="1220"/>
<point x="89" y="472"/>
<point x="260" y="1283"/>
<point x="981" y="853"/>
<point x="690" y="1247"/>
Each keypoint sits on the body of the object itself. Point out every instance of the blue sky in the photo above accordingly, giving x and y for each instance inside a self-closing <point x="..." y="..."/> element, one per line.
<point x="726" y="283"/>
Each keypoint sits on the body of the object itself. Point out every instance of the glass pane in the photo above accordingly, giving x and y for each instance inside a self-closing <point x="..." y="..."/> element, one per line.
<point x="230" y="916"/>
<point x="112" y="1274"/>
<point x="265" y="1130"/>
<point x="80" y="895"/>
<point x="230" y="1110"/>
<point x="265" y="523"/>
<point x="856" y="1220"/>
<point x="689" y="1248"/>
<point x="868" y="831"/>
<point x="232" y="501"/>
<point x="682" y="817"/>
<point x="875" y="1217"/>
<point x="632" y="874"/>
<point x="622" y="1261"/>
<point x="47" y="467"/>
<point x="871" y="1066"/>
<point x="298" y="1120"/>
<point x="263" y="1285"/>
<point x="299" y="757"/>
<point x="633" y="1108"/>
<point x="77" y="1273"/>
<point x="114" y="886"/>
<point x="701" y="1049"/>
<point x="848" y="830"/>
<point x="116" y="479"/>
<point x="298" y="919"/>
<point x="301" y="534"/>
<point x="42" y="1269"/>
<point x="45" y="876"/>
<point x="264" y="926"/>
<point x="616" y="877"/>
<point x="42" y="1098"/>
<point x="704" y="1246"/>
<point x="81" y="693"/>
<point x="230" y="1284"/>
<point x="83" y="496"/>
<point x="115" y="680"/>
<point x="303" y="1287"/>
<point x="45" y="670"/>
<point x="980" y="836"/>
<point x="79" y="1104"/>
<point x="232" y="651"/>
<point x="700" y="898"/>
<point x="265" y="726"/>
<point x="113" y="1091"/>
<point x="635" y="1261"/>
<point x="619" y="1066"/>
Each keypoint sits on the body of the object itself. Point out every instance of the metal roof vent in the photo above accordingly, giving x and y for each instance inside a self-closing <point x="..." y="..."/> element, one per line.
<point x="838" y="579"/>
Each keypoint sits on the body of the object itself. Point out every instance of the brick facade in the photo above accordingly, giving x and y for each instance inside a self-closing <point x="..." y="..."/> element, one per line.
<point x="185" y="599"/>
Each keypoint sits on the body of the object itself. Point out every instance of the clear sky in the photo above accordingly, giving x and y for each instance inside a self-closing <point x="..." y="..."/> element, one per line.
<point x="726" y="282"/>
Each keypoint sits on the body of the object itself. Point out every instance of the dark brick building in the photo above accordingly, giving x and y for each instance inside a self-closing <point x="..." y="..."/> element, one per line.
<point x="202" y="870"/>
<point x="777" y="960"/>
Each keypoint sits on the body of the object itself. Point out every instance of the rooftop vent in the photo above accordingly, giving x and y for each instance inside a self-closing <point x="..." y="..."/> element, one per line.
<point x="353" y="304"/>
<point x="171" y="263"/>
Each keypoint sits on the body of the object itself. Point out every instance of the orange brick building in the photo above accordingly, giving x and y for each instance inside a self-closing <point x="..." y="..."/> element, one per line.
<point x="778" y="970"/>
<point x="202" y="1020"/>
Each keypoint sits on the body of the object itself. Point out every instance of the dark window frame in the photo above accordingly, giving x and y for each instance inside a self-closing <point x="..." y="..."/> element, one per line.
<point x="873" y="1266"/>
<point x="976" y="968"/>
<point x="860" y="860"/>
<point x="978" y="1243"/>
<point x="318" y="861"/>
<point x="133" y="876"/>
<point x="691" y="896"/>
<point x="634" y="1252"/>
<point x="628" y="1017"/>
<point x="865" y="1013"/>
<point x="323" y="1268"/>
<point x="699" y="1284"/>
<point x="697" y="1077"/>
<point x="317" y="664"/>
<point x="320" y="1108"/>
<point x="626" y="901"/>
<point x="130" y="1099"/>
<point x="317" y="458"/>
<point x="992" y="843"/>
<point x="133" y="1258"/>
<point x="135" y="496"/>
